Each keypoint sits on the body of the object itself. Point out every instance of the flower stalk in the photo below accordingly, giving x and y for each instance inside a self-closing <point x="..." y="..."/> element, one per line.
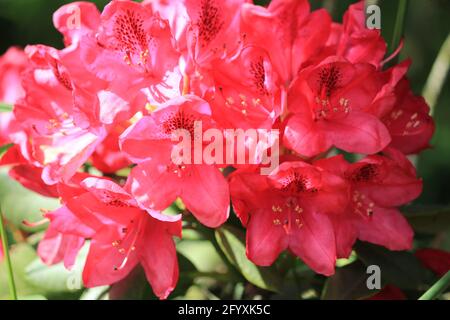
<point x="438" y="288"/>
<point x="399" y="27"/>
<point x="436" y="79"/>
<point x="11" y="283"/>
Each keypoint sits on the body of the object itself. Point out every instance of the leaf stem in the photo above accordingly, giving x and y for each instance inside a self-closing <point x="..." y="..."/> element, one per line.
<point x="399" y="24"/>
<point x="437" y="288"/>
<point x="11" y="283"/>
<point x="437" y="76"/>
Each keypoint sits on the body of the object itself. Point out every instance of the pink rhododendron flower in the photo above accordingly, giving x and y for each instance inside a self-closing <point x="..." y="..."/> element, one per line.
<point x="157" y="181"/>
<point x="291" y="208"/>
<point x="409" y="123"/>
<point x="337" y="103"/>
<point x="176" y="13"/>
<point x="62" y="124"/>
<point x="60" y="136"/>
<point x="288" y="31"/>
<point x="75" y="20"/>
<point x="247" y="91"/>
<point x="12" y="63"/>
<point x="121" y="236"/>
<point x="132" y="45"/>
<point x="214" y="29"/>
<point x="116" y="103"/>
<point x="379" y="184"/>
<point x="353" y="41"/>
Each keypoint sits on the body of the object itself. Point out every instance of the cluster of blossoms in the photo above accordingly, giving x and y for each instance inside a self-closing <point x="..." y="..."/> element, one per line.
<point x="132" y="75"/>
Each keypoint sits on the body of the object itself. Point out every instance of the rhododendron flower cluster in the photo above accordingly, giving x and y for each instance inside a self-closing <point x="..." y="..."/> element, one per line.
<point x="131" y="75"/>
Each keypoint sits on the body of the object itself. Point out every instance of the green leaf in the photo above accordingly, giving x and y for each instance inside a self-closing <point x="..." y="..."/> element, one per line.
<point x="348" y="283"/>
<point x="7" y="258"/>
<point x="55" y="279"/>
<point x="430" y="220"/>
<point x="232" y="243"/>
<point x="201" y="254"/>
<point x="33" y="297"/>
<point x="438" y="74"/>
<point x="399" y="24"/>
<point x="346" y="261"/>
<point x="19" y="203"/>
<point x="5" y="107"/>
<point x="96" y="293"/>
<point x="4" y="148"/>
<point x="21" y="255"/>
<point x="400" y="268"/>
<point x="199" y="293"/>
<point x="438" y="288"/>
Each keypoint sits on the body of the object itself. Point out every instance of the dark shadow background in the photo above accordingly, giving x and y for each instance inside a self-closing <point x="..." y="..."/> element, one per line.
<point x="25" y="22"/>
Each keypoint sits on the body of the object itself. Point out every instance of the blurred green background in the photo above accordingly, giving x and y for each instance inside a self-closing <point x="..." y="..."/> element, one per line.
<point x="25" y="22"/>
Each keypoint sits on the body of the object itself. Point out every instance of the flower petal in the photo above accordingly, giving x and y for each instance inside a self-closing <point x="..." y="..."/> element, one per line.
<point x="315" y="243"/>
<point x="158" y="257"/>
<point x="105" y="264"/>
<point x="305" y="136"/>
<point x="359" y="132"/>
<point x="205" y="193"/>
<point x="386" y="227"/>
<point x="155" y="187"/>
<point x="265" y="241"/>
